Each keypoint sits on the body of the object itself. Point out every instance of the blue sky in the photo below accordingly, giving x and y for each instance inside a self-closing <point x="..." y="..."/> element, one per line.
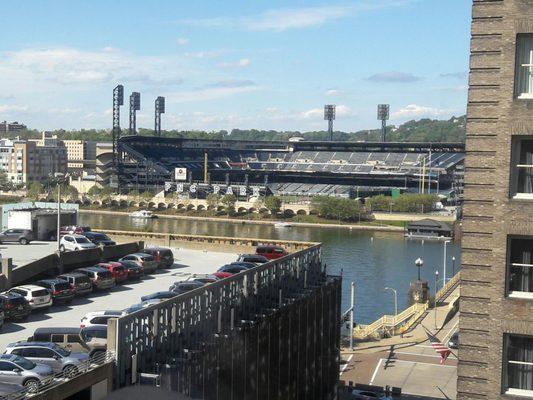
<point x="233" y="64"/>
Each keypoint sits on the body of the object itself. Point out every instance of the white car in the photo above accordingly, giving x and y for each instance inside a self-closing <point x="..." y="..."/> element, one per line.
<point x="99" y="318"/>
<point x="75" y="242"/>
<point x="37" y="296"/>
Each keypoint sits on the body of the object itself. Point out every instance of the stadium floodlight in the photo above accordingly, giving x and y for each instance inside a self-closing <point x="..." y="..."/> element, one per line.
<point x="329" y="115"/>
<point x="118" y="100"/>
<point x="383" y="116"/>
<point x="135" y="105"/>
<point x="159" y="109"/>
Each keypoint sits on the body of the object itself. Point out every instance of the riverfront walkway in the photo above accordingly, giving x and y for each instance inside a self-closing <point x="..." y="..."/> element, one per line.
<point x="409" y="362"/>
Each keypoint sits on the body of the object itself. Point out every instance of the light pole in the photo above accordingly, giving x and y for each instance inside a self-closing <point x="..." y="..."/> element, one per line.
<point x="60" y="178"/>
<point x="419" y="262"/>
<point x="453" y="266"/>
<point x="435" y="305"/>
<point x="444" y="261"/>
<point x="395" y="300"/>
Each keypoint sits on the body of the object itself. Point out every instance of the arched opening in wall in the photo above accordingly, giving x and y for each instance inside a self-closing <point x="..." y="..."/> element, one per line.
<point x="301" y="212"/>
<point x="151" y="205"/>
<point x="171" y="206"/>
<point x="181" y="206"/>
<point x="220" y="208"/>
<point x="162" y="206"/>
<point x="252" y="210"/>
<point x="114" y="203"/>
<point x="200" y="207"/>
<point x="79" y="202"/>
<point x="86" y="202"/>
<point x="123" y="204"/>
<point x="106" y="202"/>
<point x="313" y="212"/>
<point x="96" y="203"/>
<point x="142" y="204"/>
<point x="190" y="207"/>
<point x="288" y="213"/>
<point x="242" y="210"/>
<point x="263" y="210"/>
<point x="133" y="204"/>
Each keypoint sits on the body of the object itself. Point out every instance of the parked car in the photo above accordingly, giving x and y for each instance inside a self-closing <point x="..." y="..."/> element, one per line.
<point x="203" y="278"/>
<point x="163" y="256"/>
<point x="15" y="306"/>
<point x="22" y="236"/>
<point x="73" y="230"/>
<point x="120" y="274"/>
<point x="184" y="286"/>
<point x="75" y="242"/>
<point x="253" y="258"/>
<point x="81" y="283"/>
<point x="244" y="264"/>
<point x="368" y="395"/>
<point x="453" y="343"/>
<point x="20" y="371"/>
<point x="56" y="357"/>
<point x="37" y="296"/>
<point x="59" y="289"/>
<point x="135" y="271"/>
<point x="100" y="277"/>
<point x="98" y="238"/>
<point x="72" y="339"/>
<point x="229" y="270"/>
<point x="2" y="318"/>
<point x="163" y="295"/>
<point x="271" y="252"/>
<point x="146" y="261"/>
<point x="98" y="318"/>
<point x="140" y="306"/>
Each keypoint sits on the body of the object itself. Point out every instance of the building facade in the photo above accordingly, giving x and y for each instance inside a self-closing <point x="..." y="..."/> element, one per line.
<point x="496" y="306"/>
<point x="11" y="127"/>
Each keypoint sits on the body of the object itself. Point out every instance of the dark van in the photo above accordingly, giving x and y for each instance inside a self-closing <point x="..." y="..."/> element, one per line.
<point x="81" y="283"/>
<point x="101" y="278"/>
<point x="271" y="252"/>
<point x="163" y="256"/>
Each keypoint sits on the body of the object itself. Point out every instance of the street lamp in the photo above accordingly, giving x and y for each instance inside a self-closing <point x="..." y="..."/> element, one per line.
<point x="419" y="262"/>
<point x="453" y="266"/>
<point x="60" y="178"/>
<point x="395" y="300"/>
<point x="444" y="261"/>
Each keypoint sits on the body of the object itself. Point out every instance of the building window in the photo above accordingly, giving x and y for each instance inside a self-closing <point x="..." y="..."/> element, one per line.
<point x="522" y="168"/>
<point x="524" y="67"/>
<point x="520" y="267"/>
<point x="518" y="367"/>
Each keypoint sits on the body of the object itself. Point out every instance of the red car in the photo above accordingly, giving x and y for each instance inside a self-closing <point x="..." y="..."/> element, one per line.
<point x="271" y="252"/>
<point x="73" y="230"/>
<point x="222" y="275"/>
<point x="117" y="270"/>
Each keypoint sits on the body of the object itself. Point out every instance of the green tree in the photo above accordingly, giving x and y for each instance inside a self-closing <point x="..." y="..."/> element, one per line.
<point x="106" y="191"/>
<point x="94" y="191"/>
<point x="147" y="195"/>
<point x="34" y="190"/>
<point x="273" y="204"/>
<point x="213" y="200"/>
<point x="134" y="193"/>
<point x="340" y="209"/>
<point x="70" y="191"/>
<point x="228" y="201"/>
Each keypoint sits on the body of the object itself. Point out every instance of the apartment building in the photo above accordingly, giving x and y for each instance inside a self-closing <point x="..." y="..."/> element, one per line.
<point x="75" y="153"/>
<point x="496" y="306"/>
<point x="11" y="127"/>
<point x="25" y="161"/>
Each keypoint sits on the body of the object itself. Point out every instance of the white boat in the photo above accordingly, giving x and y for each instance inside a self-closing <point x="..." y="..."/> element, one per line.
<point x="282" y="225"/>
<point x="143" y="214"/>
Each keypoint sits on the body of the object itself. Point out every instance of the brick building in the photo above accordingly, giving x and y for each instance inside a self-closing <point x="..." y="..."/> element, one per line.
<point x="496" y="320"/>
<point x="11" y="127"/>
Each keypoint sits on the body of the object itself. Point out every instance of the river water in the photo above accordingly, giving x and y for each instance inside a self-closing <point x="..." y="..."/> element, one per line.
<point x="373" y="260"/>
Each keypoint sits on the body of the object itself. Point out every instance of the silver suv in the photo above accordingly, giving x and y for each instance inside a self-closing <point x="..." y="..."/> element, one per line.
<point x="56" y="357"/>
<point x="18" y="370"/>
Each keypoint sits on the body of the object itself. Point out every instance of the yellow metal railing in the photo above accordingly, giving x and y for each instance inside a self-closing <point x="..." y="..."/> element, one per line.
<point x="448" y="287"/>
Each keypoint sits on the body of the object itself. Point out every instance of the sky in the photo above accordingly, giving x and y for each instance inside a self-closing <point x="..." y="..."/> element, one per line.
<point x="263" y="64"/>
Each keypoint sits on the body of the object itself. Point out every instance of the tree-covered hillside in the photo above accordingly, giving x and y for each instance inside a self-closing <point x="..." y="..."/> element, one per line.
<point x="424" y="130"/>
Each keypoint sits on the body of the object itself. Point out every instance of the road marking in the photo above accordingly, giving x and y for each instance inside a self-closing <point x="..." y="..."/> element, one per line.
<point x="346" y="365"/>
<point x="420" y="354"/>
<point x="376" y="371"/>
<point x="423" y="363"/>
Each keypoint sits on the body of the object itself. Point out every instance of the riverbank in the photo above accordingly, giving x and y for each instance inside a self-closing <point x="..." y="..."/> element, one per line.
<point x="362" y="227"/>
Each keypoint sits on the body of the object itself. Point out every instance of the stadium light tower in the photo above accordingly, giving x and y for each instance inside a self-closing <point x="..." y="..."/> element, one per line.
<point x="383" y="116"/>
<point x="135" y="105"/>
<point x="159" y="109"/>
<point x="329" y="115"/>
<point x="118" y="100"/>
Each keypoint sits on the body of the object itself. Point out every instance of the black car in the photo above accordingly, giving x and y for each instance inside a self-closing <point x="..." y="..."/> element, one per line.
<point x="15" y="306"/>
<point x="81" y="283"/>
<point x="135" y="271"/>
<point x="233" y="268"/>
<point x="244" y="264"/>
<point x="99" y="238"/>
<point x="253" y="258"/>
<point x="453" y="343"/>
<point x="166" y="294"/>
<point x="163" y="256"/>
<point x="59" y="289"/>
<point x="185" y="286"/>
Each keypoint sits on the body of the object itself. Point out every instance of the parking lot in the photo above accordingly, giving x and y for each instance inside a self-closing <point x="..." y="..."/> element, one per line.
<point x="24" y="254"/>
<point x="186" y="262"/>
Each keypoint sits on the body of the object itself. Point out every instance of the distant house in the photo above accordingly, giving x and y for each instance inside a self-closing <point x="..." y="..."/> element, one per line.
<point x="429" y="229"/>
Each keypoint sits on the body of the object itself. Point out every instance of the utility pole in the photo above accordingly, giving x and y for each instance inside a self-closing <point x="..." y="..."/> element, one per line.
<point x="444" y="263"/>
<point x="352" y="306"/>
<point x="435" y="305"/>
<point x="58" y="215"/>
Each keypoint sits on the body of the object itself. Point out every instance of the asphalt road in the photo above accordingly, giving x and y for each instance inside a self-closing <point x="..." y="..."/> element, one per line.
<point x="24" y="254"/>
<point x="186" y="262"/>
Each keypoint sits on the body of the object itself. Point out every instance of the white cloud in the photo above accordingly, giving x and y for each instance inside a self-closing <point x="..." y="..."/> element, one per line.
<point x="333" y="92"/>
<point x="242" y="63"/>
<point x="7" y="108"/>
<point x="182" y="41"/>
<point x="416" y="111"/>
<point x="205" y="54"/>
<point x="279" y="20"/>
